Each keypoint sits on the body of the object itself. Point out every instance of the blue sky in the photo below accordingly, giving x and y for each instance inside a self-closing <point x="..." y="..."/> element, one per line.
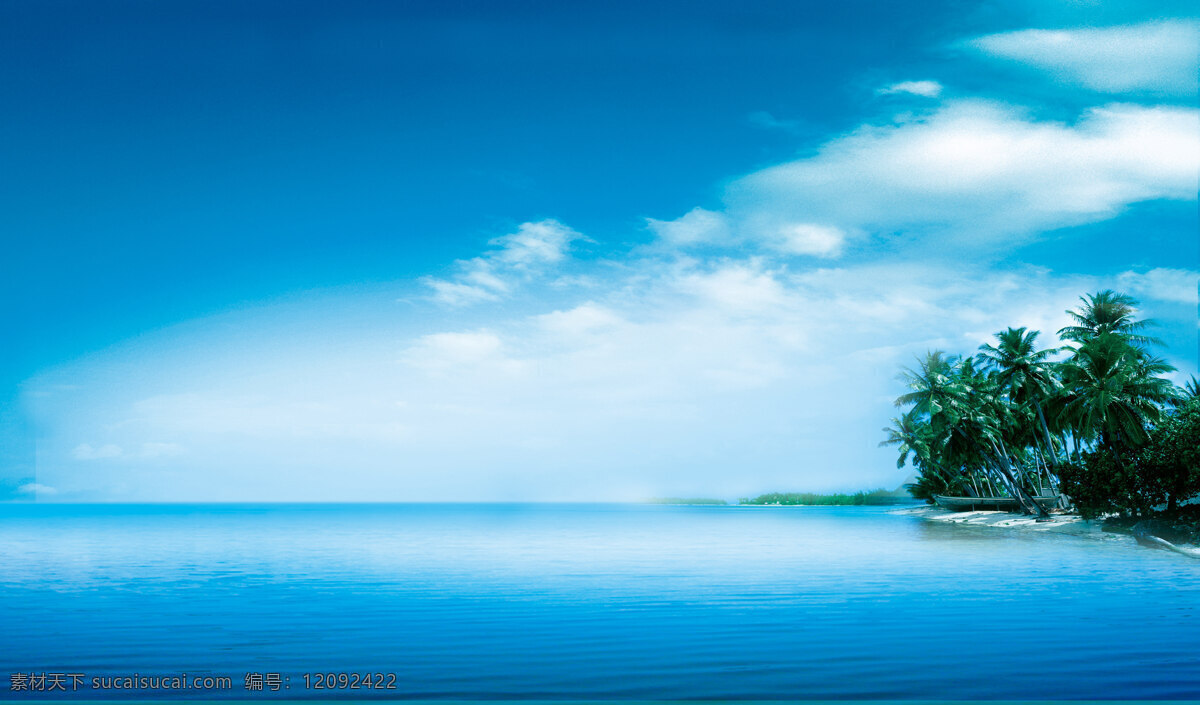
<point x="436" y="251"/>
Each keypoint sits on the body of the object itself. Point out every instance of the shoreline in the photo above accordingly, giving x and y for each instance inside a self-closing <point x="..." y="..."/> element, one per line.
<point x="1063" y="523"/>
<point x="1070" y="524"/>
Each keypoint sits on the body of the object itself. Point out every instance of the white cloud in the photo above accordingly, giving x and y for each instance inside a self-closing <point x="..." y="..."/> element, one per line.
<point x="479" y="273"/>
<point x="36" y="489"/>
<point x="700" y="227"/>
<point x="518" y="257"/>
<point x="479" y="351"/>
<point x="811" y="239"/>
<point x="85" y="451"/>
<point x="926" y="89"/>
<point x="697" y="227"/>
<point x="147" y="450"/>
<point x="1163" y="284"/>
<point x="585" y="319"/>
<point x="977" y="171"/>
<point x="543" y="242"/>
<point x="460" y="347"/>
<point x="458" y="294"/>
<point x="741" y="287"/>
<point x="1156" y="57"/>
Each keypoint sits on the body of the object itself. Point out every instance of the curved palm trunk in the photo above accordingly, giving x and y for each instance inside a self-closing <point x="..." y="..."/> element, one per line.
<point x="1027" y="504"/>
<point x="1046" y="469"/>
<point x="1046" y="433"/>
<point x="1009" y="473"/>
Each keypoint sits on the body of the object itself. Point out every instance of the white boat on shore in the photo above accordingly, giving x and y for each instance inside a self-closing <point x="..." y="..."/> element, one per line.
<point x="1004" y="504"/>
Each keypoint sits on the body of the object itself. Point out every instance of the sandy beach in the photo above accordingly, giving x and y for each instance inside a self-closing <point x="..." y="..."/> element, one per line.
<point x="1067" y="523"/>
<point x="1063" y="523"/>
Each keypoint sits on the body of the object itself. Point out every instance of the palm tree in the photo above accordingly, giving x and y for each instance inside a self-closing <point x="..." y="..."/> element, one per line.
<point x="1024" y="372"/>
<point x="1108" y="312"/>
<point x="1000" y="418"/>
<point x="984" y="425"/>
<point x="1112" y="391"/>
<point x="1192" y="388"/>
<point x="905" y="432"/>
<point x="912" y="435"/>
<point x="931" y="384"/>
<point x="965" y="419"/>
<point x="1185" y="394"/>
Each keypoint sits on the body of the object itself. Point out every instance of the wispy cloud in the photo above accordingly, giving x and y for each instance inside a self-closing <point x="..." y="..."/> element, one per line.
<point x="146" y="451"/>
<point x="1163" y="284"/>
<point x="517" y="257"/>
<point x="1155" y="57"/>
<point x="454" y="351"/>
<point x="84" y="451"/>
<point x="534" y="244"/>
<point x="925" y="89"/>
<point x="586" y="319"/>
<point x="459" y="294"/>
<point x="37" y="489"/>
<point x="700" y="228"/>
<point x="809" y="239"/>
<point x="697" y="227"/>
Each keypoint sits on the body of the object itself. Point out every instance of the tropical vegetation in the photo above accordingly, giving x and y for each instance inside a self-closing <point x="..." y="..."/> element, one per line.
<point x="1094" y="420"/>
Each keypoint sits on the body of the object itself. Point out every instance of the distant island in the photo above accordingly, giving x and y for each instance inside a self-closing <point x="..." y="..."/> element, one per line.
<point x="879" y="497"/>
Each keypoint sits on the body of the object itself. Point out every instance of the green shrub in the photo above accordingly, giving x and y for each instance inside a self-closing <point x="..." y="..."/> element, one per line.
<point x="1137" y="482"/>
<point x="1171" y="461"/>
<point x="1104" y="485"/>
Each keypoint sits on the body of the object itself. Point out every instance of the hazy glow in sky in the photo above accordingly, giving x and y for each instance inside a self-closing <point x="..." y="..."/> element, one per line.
<point x="380" y="253"/>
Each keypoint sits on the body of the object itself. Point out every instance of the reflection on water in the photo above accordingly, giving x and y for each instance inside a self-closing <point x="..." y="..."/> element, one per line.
<point x="597" y="601"/>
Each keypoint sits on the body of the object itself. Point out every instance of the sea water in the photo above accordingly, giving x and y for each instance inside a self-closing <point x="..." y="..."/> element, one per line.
<point x="586" y="602"/>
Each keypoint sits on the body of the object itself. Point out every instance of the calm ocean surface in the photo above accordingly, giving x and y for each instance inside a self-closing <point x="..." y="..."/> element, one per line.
<point x="593" y="602"/>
